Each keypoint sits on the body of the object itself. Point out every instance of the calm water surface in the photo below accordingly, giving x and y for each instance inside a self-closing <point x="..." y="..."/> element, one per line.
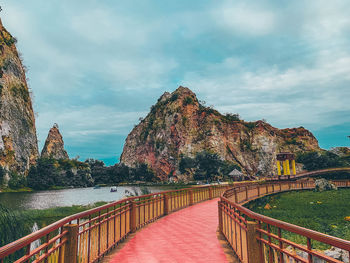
<point x="65" y="197"/>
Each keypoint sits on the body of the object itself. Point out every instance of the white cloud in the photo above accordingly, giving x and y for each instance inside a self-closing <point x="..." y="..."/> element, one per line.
<point x="245" y="18"/>
<point x="292" y="97"/>
<point x="78" y="123"/>
<point x="286" y="63"/>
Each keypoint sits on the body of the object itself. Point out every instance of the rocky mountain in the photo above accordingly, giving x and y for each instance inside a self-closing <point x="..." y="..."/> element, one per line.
<point x="54" y="145"/>
<point x="18" y="141"/>
<point x="179" y="125"/>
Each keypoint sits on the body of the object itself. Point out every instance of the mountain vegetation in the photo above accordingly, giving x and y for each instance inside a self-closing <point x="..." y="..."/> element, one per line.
<point x="323" y="159"/>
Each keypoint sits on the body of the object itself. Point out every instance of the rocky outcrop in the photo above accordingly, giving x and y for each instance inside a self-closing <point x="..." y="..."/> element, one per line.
<point x="324" y="185"/>
<point x="54" y="145"/>
<point x="179" y="125"/>
<point x="18" y="141"/>
<point x="341" y="151"/>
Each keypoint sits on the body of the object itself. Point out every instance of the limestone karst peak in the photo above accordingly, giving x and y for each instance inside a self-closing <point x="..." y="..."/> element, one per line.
<point x="54" y="145"/>
<point x="179" y="126"/>
<point x="18" y="141"/>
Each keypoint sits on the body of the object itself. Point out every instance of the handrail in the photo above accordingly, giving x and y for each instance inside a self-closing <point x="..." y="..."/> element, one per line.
<point x="331" y="240"/>
<point x="311" y="173"/>
<point x="232" y="213"/>
<point x="101" y="228"/>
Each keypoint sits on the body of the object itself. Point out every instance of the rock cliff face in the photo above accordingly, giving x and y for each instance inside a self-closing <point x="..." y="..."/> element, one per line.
<point x="54" y="145"/>
<point x="18" y="141"/>
<point x="178" y="125"/>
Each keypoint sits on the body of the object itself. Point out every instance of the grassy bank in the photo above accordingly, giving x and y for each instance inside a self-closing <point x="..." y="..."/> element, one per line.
<point x="320" y="211"/>
<point x="23" y="189"/>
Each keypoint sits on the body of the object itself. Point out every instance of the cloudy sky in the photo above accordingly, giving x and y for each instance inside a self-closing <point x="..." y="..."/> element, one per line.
<point x="96" y="66"/>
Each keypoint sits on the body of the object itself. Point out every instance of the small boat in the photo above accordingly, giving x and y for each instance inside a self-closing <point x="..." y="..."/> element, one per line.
<point x="97" y="187"/>
<point x="114" y="189"/>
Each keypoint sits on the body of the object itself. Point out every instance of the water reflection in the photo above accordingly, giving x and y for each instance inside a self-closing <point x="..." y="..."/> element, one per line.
<point x="65" y="197"/>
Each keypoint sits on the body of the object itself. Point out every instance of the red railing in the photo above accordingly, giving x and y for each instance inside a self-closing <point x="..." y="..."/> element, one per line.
<point x="86" y="237"/>
<point x="256" y="238"/>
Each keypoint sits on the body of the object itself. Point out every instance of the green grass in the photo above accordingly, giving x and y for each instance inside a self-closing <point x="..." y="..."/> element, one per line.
<point x="23" y="189"/>
<point x="24" y="219"/>
<point x="15" y="224"/>
<point x="320" y="211"/>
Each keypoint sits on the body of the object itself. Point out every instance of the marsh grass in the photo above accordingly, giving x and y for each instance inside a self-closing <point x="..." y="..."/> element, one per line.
<point x="324" y="212"/>
<point x="15" y="224"/>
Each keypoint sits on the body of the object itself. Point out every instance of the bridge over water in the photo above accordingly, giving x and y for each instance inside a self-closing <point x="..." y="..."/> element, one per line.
<point x="179" y="226"/>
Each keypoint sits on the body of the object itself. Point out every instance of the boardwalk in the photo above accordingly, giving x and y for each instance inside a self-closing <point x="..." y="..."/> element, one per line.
<point x="188" y="235"/>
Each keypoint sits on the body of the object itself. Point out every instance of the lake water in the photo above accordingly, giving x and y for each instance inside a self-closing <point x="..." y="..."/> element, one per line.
<point x="65" y="197"/>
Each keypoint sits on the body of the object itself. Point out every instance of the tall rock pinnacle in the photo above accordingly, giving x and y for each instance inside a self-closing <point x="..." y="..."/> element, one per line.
<point x="18" y="141"/>
<point x="54" y="145"/>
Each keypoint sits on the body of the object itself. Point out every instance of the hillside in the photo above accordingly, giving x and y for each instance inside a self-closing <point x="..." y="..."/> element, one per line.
<point x="179" y="125"/>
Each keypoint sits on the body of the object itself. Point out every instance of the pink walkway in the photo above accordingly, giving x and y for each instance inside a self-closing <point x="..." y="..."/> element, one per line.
<point x="188" y="235"/>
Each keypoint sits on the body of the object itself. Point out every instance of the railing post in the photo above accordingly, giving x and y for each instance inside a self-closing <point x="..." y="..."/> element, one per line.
<point x="258" y="190"/>
<point x="133" y="217"/>
<point x="253" y="246"/>
<point x="246" y="193"/>
<point x="71" y="247"/>
<point x="210" y="193"/>
<point x="166" y="204"/>
<point x="191" y="197"/>
<point x="220" y="215"/>
<point x="235" y="191"/>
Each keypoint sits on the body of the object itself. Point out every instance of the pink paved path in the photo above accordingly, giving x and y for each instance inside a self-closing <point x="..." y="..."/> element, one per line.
<point x="188" y="235"/>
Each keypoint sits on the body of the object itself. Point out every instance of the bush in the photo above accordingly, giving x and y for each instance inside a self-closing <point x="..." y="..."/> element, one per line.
<point x="174" y="97"/>
<point x="232" y="117"/>
<point x="188" y="100"/>
<point x="250" y="125"/>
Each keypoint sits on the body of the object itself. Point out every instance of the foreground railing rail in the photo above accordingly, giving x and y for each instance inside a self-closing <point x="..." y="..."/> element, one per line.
<point x="87" y="236"/>
<point x="256" y="238"/>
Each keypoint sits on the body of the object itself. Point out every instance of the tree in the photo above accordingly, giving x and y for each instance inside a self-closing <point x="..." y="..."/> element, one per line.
<point x="316" y="160"/>
<point x="16" y="180"/>
<point x="226" y="168"/>
<point x="99" y="172"/>
<point x="208" y="164"/>
<point x="144" y="173"/>
<point x="41" y="176"/>
<point x="187" y="164"/>
<point x="118" y="173"/>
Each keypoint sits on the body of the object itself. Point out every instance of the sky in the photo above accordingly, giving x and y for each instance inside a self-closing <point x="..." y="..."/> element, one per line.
<point x="95" y="67"/>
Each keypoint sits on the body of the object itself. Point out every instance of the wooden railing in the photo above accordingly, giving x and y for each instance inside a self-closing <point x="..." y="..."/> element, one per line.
<point x="256" y="238"/>
<point x="309" y="174"/>
<point x="86" y="237"/>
